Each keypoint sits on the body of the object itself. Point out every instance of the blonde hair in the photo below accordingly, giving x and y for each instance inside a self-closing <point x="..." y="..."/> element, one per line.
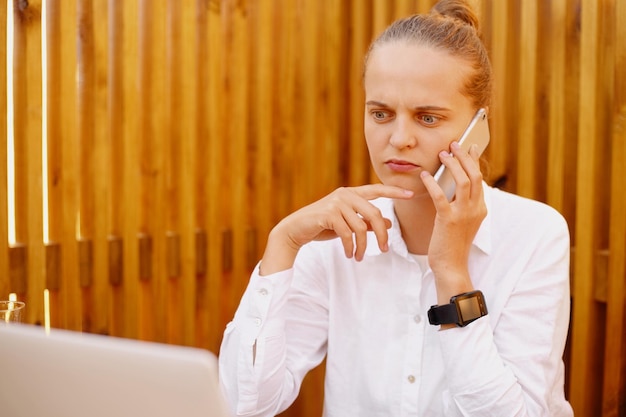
<point x="452" y="26"/>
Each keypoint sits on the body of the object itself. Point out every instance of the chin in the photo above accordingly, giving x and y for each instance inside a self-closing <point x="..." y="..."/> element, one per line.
<point x="413" y="184"/>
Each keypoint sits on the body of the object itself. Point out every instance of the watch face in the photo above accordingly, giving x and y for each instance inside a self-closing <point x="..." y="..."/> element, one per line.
<point x="470" y="306"/>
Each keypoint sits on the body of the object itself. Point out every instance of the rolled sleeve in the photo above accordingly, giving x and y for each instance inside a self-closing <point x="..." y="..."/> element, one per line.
<point x="258" y="319"/>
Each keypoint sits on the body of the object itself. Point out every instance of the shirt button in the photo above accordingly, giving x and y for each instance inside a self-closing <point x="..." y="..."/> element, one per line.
<point x="263" y="291"/>
<point x="411" y="379"/>
<point x="257" y="321"/>
<point x="417" y="319"/>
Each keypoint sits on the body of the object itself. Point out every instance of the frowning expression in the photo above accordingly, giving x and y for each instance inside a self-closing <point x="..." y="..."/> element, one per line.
<point x="414" y="108"/>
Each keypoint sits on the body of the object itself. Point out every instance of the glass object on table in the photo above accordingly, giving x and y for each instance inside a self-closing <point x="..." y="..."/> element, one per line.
<point x="11" y="311"/>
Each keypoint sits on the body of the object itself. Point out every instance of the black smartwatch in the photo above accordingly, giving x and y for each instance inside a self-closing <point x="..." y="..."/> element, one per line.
<point x="462" y="310"/>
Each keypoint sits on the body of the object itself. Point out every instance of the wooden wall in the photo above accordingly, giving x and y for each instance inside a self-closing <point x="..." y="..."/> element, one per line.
<point x="169" y="136"/>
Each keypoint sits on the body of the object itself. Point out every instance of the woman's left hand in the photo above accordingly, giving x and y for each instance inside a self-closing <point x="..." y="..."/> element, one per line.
<point x="456" y="222"/>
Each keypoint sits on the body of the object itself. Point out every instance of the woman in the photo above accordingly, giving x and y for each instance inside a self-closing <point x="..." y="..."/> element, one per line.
<point x="352" y="277"/>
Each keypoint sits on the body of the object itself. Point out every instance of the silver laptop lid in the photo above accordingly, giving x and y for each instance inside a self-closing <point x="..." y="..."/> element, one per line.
<point x="72" y="374"/>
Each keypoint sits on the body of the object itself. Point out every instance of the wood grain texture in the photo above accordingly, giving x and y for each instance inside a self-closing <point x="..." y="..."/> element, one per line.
<point x="180" y="132"/>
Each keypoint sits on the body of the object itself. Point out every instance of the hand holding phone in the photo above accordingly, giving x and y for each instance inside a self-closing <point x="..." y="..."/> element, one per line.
<point x="477" y="132"/>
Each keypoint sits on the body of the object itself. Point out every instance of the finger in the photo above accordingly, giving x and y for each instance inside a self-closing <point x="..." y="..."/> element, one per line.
<point x="462" y="168"/>
<point x="471" y="165"/>
<point x="359" y="228"/>
<point x="382" y="236"/>
<point x="466" y="160"/>
<point x="373" y="191"/>
<point x="473" y="152"/>
<point x="434" y="190"/>
<point x="388" y="224"/>
<point x="344" y="232"/>
<point x="374" y="221"/>
<point x="352" y="229"/>
<point x="360" y="239"/>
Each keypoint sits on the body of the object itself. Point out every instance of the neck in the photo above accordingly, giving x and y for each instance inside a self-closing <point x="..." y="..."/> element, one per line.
<point x="416" y="217"/>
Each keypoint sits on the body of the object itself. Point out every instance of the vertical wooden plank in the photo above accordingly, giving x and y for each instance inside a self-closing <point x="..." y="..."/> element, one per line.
<point x="87" y="158"/>
<point x="572" y="92"/>
<point x="131" y="161"/>
<point x="199" y="244"/>
<point x="308" y="79"/>
<point x="101" y="290"/>
<point x="148" y="174"/>
<point x="183" y="143"/>
<point x="228" y="78"/>
<point x="541" y="131"/>
<point x="61" y="110"/>
<point x="221" y="308"/>
<point x="115" y="167"/>
<point x="239" y="129"/>
<point x="500" y="54"/>
<point x="205" y="331"/>
<point x="285" y="15"/>
<point x="4" y="201"/>
<point x="91" y="158"/>
<point x="424" y="6"/>
<point x="152" y="153"/>
<point x="20" y="103"/>
<point x="585" y="397"/>
<point x="556" y="134"/>
<point x="403" y="8"/>
<point x="236" y="82"/>
<point x="210" y="323"/>
<point x="173" y="166"/>
<point x="526" y="150"/>
<point x="28" y="154"/>
<point x="381" y="15"/>
<point x="334" y="53"/>
<point x="355" y="161"/>
<point x="614" y="381"/>
<point x="263" y="82"/>
<point x="122" y="130"/>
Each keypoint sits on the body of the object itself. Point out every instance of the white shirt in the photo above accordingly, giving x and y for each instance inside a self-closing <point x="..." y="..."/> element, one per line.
<point x="383" y="358"/>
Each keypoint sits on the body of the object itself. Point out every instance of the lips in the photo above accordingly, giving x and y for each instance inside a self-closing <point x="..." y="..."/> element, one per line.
<point x="398" y="165"/>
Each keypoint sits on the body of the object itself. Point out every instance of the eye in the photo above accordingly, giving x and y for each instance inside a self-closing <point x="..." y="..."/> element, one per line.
<point x="379" y="115"/>
<point x="429" y="119"/>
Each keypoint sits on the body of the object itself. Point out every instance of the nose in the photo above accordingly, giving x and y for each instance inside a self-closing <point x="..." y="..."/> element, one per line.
<point x="403" y="134"/>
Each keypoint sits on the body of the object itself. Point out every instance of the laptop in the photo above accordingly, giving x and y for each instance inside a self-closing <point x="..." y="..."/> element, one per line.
<point x="73" y="374"/>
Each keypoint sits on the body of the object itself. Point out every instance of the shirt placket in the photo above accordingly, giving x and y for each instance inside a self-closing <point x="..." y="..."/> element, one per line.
<point x="415" y="322"/>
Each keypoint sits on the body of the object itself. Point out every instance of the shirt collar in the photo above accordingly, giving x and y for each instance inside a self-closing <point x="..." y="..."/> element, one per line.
<point x="482" y="240"/>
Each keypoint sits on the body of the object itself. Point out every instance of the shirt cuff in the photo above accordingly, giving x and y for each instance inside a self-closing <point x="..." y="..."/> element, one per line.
<point x="264" y="296"/>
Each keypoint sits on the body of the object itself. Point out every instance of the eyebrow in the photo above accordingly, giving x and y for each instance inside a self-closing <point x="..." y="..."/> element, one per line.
<point x="418" y="108"/>
<point x="375" y="103"/>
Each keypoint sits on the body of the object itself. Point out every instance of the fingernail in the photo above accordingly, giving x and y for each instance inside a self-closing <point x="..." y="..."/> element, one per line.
<point x="455" y="145"/>
<point x="444" y="154"/>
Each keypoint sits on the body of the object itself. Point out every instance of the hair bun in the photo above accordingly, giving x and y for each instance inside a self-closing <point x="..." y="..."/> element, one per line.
<point x="457" y="9"/>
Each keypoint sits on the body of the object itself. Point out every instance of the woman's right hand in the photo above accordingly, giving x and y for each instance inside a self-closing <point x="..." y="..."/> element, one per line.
<point x="346" y="213"/>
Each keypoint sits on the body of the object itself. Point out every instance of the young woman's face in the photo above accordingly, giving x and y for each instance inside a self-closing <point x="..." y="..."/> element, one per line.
<point x="414" y="109"/>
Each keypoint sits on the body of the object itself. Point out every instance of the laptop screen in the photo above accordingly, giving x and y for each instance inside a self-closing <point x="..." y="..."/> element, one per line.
<point x="72" y="374"/>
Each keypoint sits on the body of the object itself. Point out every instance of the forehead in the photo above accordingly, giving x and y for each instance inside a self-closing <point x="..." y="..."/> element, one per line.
<point x="402" y="70"/>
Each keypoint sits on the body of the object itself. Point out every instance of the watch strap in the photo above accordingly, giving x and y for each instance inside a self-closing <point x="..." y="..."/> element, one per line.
<point x="444" y="314"/>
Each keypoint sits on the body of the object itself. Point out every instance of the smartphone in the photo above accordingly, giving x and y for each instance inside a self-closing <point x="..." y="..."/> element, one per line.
<point x="477" y="132"/>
